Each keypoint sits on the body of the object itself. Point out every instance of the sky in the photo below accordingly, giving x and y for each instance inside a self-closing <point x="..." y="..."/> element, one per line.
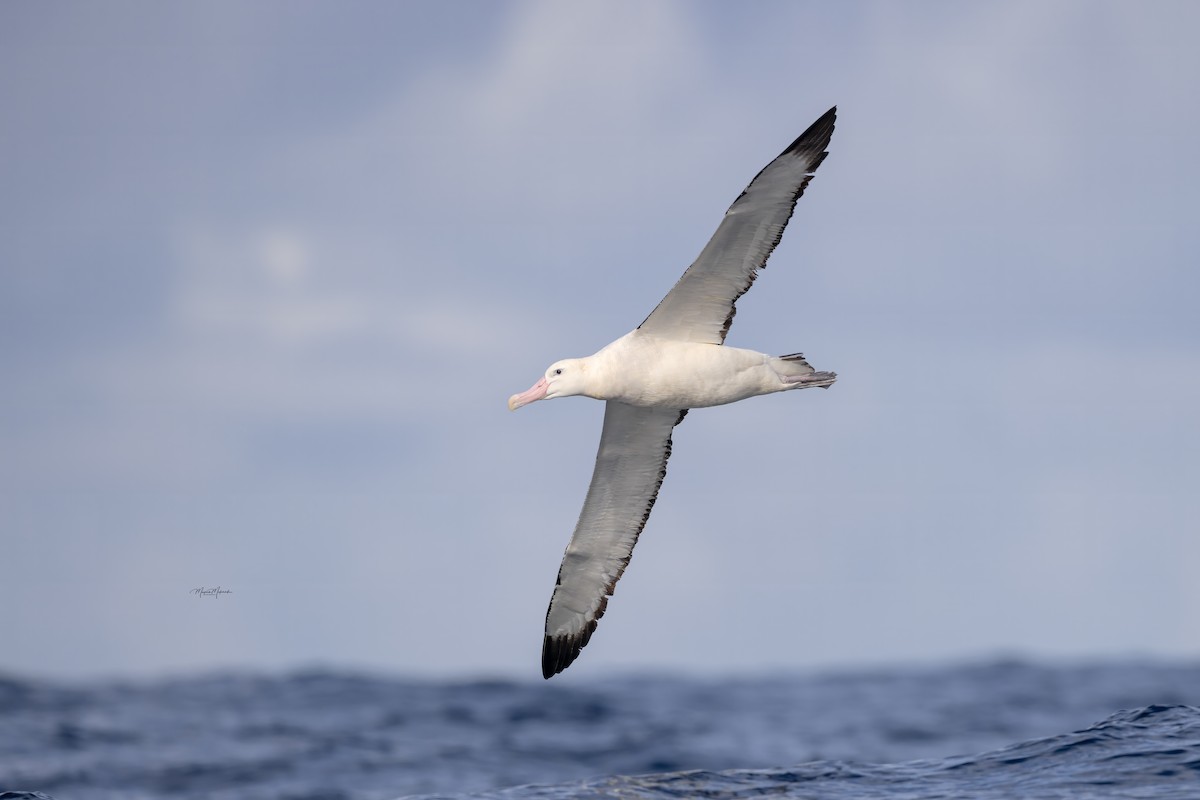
<point x="270" y="271"/>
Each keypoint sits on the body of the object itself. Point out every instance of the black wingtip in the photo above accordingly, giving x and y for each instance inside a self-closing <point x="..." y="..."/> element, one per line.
<point x="816" y="137"/>
<point x="559" y="652"/>
<point x="553" y="654"/>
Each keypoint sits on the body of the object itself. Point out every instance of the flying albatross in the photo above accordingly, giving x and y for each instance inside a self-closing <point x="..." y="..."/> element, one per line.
<point x="650" y="377"/>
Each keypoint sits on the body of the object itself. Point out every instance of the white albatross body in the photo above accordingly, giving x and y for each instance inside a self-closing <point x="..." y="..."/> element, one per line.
<point x="650" y="371"/>
<point x="674" y="361"/>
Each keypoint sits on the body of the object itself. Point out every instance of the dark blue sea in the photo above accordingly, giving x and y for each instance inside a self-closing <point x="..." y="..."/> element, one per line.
<point x="1008" y="729"/>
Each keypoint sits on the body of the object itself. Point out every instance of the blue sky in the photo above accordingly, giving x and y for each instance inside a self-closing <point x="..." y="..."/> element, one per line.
<point x="269" y="272"/>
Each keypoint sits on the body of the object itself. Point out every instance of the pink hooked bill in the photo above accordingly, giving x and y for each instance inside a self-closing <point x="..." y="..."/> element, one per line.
<point x="535" y="392"/>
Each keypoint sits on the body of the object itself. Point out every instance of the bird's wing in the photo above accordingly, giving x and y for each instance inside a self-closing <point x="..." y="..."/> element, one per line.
<point x="700" y="307"/>
<point x="630" y="466"/>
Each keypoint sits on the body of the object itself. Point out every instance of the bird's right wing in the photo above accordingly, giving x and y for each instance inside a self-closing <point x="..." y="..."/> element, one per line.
<point x="630" y="466"/>
<point x="700" y="307"/>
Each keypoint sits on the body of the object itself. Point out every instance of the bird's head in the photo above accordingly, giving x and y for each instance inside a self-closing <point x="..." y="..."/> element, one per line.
<point x="563" y="379"/>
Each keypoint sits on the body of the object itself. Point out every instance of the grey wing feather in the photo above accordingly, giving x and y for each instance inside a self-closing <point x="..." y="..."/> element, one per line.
<point x="630" y="466"/>
<point x="700" y="307"/>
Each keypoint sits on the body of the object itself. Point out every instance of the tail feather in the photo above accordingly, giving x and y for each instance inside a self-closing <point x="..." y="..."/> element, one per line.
<point x="799" y="374"/>
<point x="797" y="358"/>
<point x="821" y="379"/>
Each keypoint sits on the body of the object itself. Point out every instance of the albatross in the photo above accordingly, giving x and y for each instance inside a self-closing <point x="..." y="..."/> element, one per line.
<point x="674" y="361"/>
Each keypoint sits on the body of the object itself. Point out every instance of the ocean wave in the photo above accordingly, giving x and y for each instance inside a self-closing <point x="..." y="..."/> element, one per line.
<point x="333" y="735"/>
<point x="1150" y="752"/>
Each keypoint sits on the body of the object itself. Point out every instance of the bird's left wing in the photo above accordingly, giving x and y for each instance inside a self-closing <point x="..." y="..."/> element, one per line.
<point x="630" y="466"/>
<point x="700" y="307"/>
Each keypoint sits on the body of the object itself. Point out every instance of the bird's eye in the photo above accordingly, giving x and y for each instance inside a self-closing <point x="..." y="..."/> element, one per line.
<point x="558" y="371"/>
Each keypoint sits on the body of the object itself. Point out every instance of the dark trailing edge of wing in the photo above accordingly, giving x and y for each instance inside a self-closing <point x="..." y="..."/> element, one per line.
<point x="559" y="651"/>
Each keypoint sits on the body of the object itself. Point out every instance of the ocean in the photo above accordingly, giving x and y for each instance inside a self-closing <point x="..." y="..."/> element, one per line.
<point x="1005" y="729"/>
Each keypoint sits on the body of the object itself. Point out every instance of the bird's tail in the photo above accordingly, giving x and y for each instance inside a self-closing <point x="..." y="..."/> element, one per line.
<point x="797" y="373"/>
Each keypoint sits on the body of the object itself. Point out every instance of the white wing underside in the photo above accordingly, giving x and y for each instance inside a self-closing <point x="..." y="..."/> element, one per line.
<point x="636" y="441"/>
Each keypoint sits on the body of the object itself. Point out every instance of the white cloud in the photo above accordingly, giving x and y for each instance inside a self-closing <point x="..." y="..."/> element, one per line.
<point x="285" y="256"/>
